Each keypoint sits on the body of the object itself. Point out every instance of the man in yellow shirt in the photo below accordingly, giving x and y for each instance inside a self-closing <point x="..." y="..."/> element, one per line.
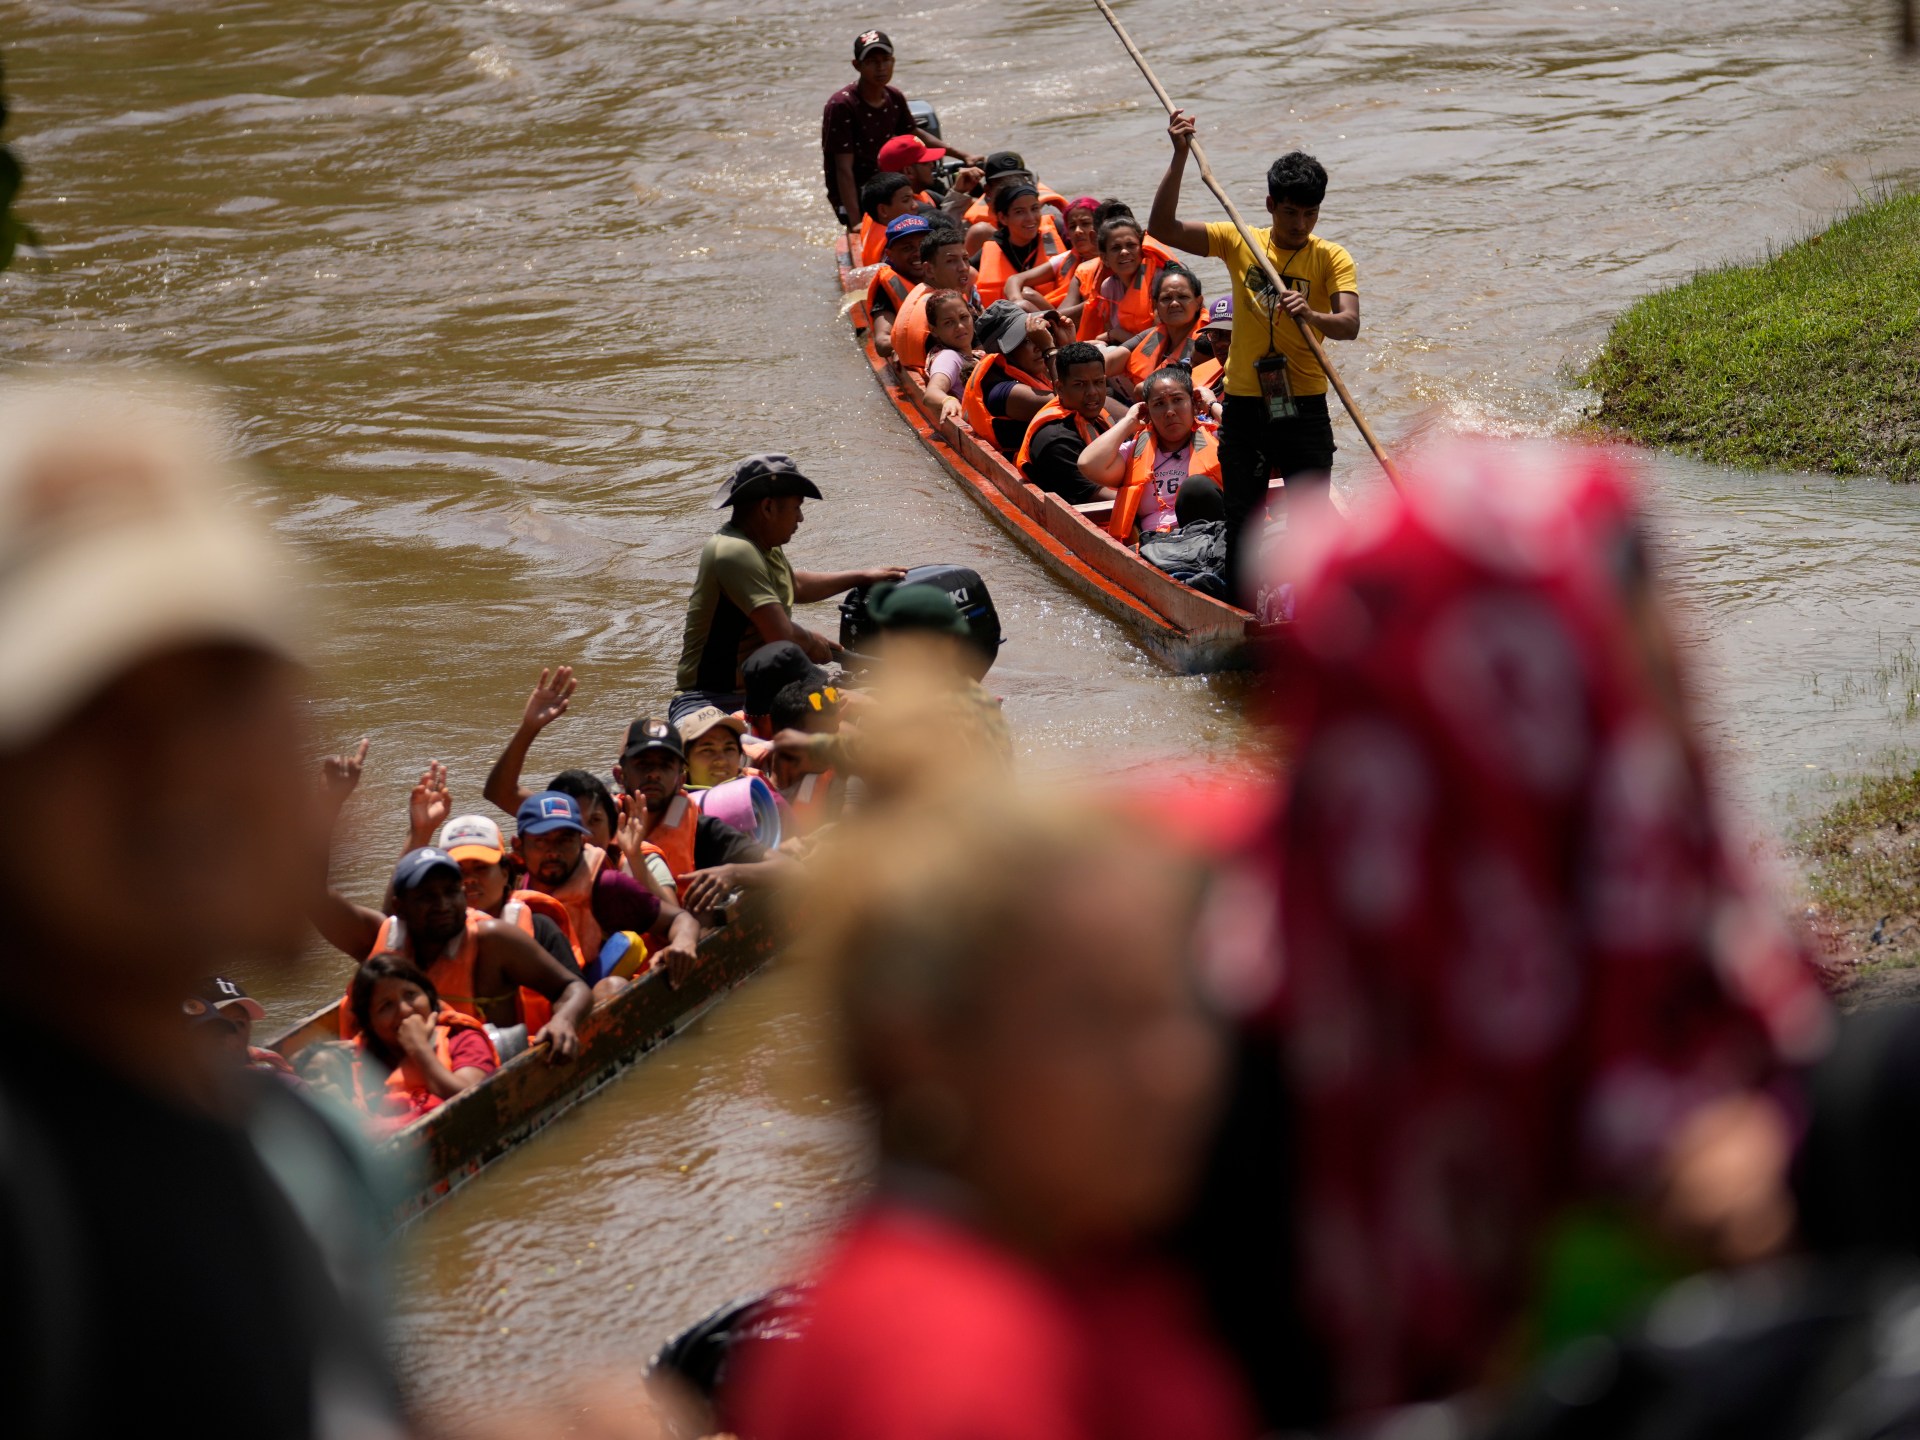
<point x="1274" y="419"/>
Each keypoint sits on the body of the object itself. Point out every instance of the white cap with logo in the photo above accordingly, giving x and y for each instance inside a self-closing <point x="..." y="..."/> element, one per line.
<point x="472" y="837"/>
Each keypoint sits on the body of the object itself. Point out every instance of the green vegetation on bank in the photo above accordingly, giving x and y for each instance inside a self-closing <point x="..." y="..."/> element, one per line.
<point x="1809" y="360"/>
<point x="1862" y="858"/>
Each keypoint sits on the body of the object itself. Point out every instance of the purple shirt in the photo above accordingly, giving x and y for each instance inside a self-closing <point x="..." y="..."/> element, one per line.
<point x="850" y="126"/>
<point x="621" y="902"/>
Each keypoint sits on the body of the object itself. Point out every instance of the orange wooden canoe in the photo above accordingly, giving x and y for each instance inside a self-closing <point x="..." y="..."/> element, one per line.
<point x="436" y="1154"/>
<point x="1183" y="629"/>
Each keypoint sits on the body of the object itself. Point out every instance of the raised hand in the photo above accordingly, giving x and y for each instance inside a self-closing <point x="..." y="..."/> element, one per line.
<point x="630" y="830"/>
<point x="340" y="774"/>
<point x="1180" y="128"/>
<point x="429" y="804"/>
<point x="549" y="699"/>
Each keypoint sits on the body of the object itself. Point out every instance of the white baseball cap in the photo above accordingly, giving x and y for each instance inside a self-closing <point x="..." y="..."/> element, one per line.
<point x="472" y="837"/>
<point x="120" y="539"/>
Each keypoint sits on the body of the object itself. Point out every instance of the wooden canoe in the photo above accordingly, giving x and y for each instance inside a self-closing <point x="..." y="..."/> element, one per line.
<point x="1183" y="629"/>
<point x="442" y="1150"/>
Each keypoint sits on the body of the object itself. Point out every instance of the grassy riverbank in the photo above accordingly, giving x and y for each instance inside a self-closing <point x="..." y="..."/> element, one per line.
<point x="1808" y="360"/>
<point x="1862" y="862"/>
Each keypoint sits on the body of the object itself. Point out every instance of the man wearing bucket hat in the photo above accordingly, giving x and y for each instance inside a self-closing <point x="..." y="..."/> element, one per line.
<point x="148" y="629"/>
<point x="744" y="589"/>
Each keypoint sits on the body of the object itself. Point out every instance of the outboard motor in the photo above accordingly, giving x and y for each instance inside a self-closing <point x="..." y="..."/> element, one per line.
<point x="925" y="116"/>
<point x="963" y="586"/>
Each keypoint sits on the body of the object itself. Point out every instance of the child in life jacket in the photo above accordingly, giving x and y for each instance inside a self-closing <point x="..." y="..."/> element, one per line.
<point x="1156" y="451"/>
<point x="950" y="355"/>
<point x="411" y="1056"/>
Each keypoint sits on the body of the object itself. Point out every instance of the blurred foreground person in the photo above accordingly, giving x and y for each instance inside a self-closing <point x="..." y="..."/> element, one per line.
<point x="1530" y="1013"/>
<point x="1013" y="996"/>
<point x="159" y="1205"/>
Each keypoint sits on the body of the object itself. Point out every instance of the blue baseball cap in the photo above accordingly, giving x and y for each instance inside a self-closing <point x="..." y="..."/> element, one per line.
<point x="1220" y="314"/>
<point x="546" y="812"/>
<point x="902" y="226"/>
<point x="416" y="865"/>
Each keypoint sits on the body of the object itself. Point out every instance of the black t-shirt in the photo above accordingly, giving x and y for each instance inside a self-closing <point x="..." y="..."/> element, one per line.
<point x="552" y="939"/>
<point x="1053" y="463"/>
<point x="850" y="126"/>
<point x="717" y="843"/>
<point x="161" y="1277"/>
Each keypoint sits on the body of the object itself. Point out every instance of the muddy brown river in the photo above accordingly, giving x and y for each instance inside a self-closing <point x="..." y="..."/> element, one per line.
<point x="493" y="288"/>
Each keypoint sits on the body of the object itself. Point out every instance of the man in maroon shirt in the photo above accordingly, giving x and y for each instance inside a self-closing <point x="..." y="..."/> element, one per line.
<point x="862" y="117"/>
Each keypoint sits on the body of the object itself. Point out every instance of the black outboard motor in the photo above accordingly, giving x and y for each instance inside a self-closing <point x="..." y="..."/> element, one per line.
<point x="925" y="116"/>
<point x="963" y="586"/>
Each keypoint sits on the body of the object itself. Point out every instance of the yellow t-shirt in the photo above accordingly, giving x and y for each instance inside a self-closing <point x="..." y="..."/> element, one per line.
<point x="1319" y="270"/>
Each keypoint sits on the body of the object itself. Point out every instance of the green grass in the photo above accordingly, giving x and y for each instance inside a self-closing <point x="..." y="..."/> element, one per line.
<point x="1808" y="360"/>
<point x="1862" y="858"/>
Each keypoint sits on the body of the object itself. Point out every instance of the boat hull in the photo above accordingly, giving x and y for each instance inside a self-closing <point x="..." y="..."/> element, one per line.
<point x="1184" y="630"/>
<point x="447" y="1147"/>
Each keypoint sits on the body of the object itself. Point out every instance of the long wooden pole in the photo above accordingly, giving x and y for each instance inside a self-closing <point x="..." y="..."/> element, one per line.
<point x="1259" y="252"/>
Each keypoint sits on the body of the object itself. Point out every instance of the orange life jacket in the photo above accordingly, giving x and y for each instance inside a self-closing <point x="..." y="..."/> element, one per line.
<point x="672" y="837"/>
<point x="1134" y="313"/>
<point x="451" y="971"/>
<point x="1202" y="459"/>
<point x="535" y="1009"/>
<point x="405" y="1092"/>
<point x="910" y="329"/>
<point x="1063" y="265"/>
<point x="997" y="267"/>
<point x="1156" y="350"/>
<point x="1208" y="373"/>
<point x="1093" y="309"/>
<point x="808" y="801"/>
<point x="980" y="212"/>
<point x="576" y="895"/>
<point x="897" y="286"/>
<point x="1050" y="412"/>
<point x="873" y="241"/>
<point x="973" y="403"/>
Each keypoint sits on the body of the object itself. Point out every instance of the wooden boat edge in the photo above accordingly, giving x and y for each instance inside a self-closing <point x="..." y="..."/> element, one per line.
<point x="1078" y="552"/>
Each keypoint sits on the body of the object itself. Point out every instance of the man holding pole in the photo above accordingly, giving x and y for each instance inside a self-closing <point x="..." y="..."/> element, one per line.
<point x="1274" y="418"/>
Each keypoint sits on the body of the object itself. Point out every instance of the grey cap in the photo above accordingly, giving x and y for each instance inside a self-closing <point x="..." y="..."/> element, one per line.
<point x="1001" y="326"/>
<point x="759" y="477"/>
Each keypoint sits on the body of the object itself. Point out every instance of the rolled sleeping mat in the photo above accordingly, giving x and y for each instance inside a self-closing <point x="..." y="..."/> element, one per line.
<point x="748" y="805"/>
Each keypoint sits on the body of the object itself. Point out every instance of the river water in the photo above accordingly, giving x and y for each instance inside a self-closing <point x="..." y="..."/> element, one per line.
<point x="493" y="288"/>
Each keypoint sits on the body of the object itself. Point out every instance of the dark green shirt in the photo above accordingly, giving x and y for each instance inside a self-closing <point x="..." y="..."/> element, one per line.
<point x="735" y="578"/>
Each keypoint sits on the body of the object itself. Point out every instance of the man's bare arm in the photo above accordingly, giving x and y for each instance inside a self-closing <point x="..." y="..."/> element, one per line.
<point x="1163" y="222"/>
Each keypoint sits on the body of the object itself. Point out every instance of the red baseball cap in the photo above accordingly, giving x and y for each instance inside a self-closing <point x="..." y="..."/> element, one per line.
<point x="905" y="150"/>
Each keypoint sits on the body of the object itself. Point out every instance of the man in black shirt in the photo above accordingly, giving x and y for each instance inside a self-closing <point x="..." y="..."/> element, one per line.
<point x="1056" y="440"/>
<point x="859" y="119"/>
<point x="163" y="1209"/>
